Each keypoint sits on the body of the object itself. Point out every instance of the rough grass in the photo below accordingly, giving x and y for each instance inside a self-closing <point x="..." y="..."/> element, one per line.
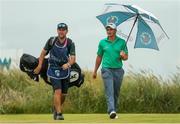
<point x="141" y="92"/>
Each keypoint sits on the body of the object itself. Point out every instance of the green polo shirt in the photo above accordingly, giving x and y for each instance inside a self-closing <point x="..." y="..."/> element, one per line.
<point x="110" y="52"/>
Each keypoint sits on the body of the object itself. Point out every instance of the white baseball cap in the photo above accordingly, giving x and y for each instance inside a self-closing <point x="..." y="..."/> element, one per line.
<point x="111" y="25"/>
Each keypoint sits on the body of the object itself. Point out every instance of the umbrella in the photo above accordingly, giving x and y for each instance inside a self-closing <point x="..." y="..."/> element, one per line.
<point x="149" y="29"/>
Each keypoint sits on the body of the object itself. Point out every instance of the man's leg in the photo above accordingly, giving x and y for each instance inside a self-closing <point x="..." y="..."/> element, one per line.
<point x="57" y="87"/>
<point x="57" y="100"/>
<point x="109" y="91"/>
<point x="118" y="77"/>
<point x="65" y="87"/>
<point x="63" y="97"/>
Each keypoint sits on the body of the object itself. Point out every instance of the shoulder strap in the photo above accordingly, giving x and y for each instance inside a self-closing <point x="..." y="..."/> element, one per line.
<point x="53" y="41"/>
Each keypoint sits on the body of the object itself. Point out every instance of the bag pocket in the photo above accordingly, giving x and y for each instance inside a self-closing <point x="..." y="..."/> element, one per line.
<point x="57" y="73"/>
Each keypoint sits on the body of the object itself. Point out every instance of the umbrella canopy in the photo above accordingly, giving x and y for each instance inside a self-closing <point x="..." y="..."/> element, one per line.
<point x="149" y="30"/>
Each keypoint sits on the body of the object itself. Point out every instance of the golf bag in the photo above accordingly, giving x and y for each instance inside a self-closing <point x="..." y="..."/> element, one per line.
<point x="28" y="63"/>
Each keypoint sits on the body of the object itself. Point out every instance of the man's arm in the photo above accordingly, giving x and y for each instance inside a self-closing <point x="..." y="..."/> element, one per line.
<point x="124" y="52"/>
<point x="97" y="64"/>
<point x="72" y="57"/>
<point x="71" y="61"/>
<point x="123" y="55"/>
<point x="41" y="59"/>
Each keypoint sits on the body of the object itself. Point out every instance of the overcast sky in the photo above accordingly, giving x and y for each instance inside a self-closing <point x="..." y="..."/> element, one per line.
<point x="28" y="24"/>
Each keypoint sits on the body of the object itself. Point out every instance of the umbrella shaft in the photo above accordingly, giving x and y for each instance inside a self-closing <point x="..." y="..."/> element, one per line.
<point x="132" y="28"/>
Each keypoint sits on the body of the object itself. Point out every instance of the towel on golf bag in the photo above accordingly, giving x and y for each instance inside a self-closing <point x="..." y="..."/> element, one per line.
<point x="28" y="63"/>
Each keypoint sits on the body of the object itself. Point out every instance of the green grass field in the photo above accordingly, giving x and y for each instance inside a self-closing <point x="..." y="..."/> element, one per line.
<point x="91" y="118"/>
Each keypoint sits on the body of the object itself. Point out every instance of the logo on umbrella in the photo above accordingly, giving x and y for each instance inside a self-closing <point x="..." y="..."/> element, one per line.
<point x="145" y="38"/>
<point x="112" y="19"/>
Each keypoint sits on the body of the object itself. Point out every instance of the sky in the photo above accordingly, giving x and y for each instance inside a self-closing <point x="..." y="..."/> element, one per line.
<point x="28" y="24"/>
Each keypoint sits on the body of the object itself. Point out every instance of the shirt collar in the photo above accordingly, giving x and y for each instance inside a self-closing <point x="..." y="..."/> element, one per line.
<point x="116" y="38"/>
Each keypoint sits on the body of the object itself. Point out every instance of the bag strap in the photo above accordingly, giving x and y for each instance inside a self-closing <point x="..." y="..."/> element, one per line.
<point x="53" y="41"/>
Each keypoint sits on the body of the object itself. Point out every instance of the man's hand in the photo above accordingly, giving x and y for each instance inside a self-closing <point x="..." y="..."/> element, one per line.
<point x="97" y="64"/>
<point x="94" y="75"/>
<point x="66" y="66"/>
<point x="37" y="69"/>
<point x="123" y="55"/>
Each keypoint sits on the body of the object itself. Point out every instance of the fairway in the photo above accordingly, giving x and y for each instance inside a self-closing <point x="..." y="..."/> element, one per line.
<point x="91" y="118"/>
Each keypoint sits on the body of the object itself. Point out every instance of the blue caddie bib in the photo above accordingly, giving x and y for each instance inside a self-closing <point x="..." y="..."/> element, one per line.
<point x="58" y="57"/>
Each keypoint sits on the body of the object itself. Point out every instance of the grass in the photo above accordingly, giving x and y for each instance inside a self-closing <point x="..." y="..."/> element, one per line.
<point x="141" y="92"/>
<point x="91" y="118"/>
